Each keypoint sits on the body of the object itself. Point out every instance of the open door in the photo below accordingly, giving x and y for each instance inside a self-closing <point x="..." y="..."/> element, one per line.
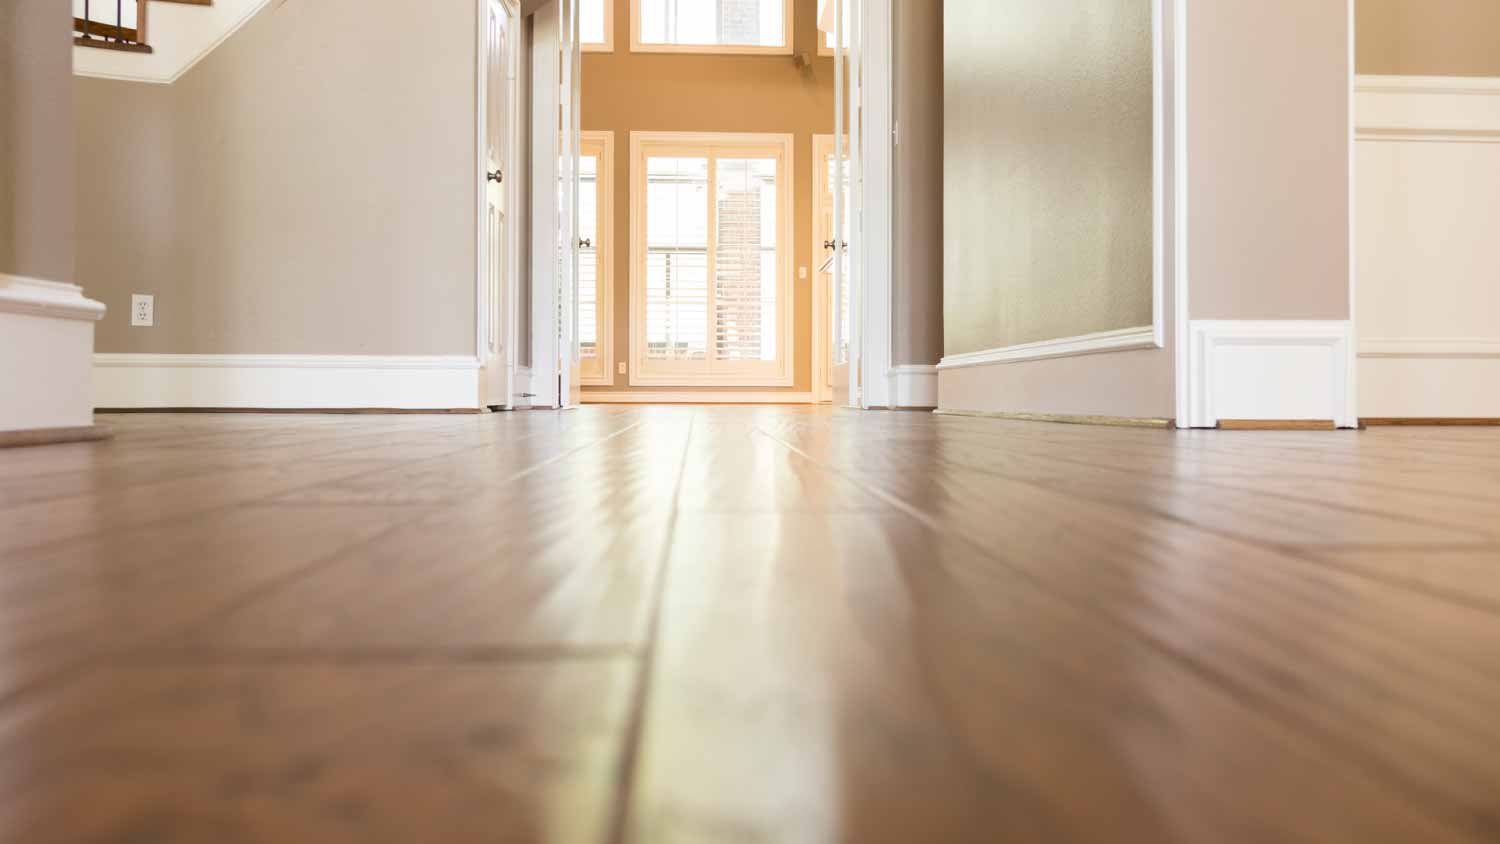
<point x="555" y="148"/>
<point x="844" y="317"/>
<point x="570" y="360"/>
<point x="497" y="250"/>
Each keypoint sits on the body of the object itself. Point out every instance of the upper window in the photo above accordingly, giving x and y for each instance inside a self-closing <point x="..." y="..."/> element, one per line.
<point x="711" y="26"/>
<point x="597" y="25"/>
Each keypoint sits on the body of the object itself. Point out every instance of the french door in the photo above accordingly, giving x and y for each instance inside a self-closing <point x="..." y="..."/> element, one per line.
<point x="500" y="277"/>
<point x="845" y="316"/>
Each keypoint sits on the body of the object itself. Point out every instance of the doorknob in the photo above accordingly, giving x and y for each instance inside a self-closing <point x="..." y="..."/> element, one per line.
<point x="585" y="243"/>
<point x="832" y="244"/>
<point x="496" y="176"/>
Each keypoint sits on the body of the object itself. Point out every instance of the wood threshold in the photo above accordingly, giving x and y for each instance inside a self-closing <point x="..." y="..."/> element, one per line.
<point x="54" y="436"/>
<point x="1441" y="421"/>
<point x="1065" y="418"/>
<point x="347" y="411"/>
<point x="1277" y="425"/>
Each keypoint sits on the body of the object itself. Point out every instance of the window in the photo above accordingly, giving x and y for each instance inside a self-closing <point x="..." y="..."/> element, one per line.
<point x="596" y="25"/>
<point x="711" y="260"/>
<point x="596" y="258"/>
<point x="826" y="45"/>
<point x="711" y="26"/>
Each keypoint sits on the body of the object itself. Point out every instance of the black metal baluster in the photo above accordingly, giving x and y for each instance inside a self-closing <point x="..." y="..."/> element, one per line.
<point x="119" y="21"/>
<point x="85" y="18"/>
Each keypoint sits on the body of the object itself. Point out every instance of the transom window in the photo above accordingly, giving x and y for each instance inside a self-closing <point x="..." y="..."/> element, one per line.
<point x="711" y="275"/>
<point x="712" y="26"/>
<point x="596" y="24"/>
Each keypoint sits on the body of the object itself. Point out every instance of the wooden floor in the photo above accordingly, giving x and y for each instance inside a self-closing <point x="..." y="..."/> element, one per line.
<point x="747" y="625"/>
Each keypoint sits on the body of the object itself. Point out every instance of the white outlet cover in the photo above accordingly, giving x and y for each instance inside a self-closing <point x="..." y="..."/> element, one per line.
<point x="622" y="369"/>
<point x="142" y="310"/>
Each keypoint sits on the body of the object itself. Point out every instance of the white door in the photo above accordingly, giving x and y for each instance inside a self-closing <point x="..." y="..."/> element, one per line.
<point x="827" y="352"/>
<point x="843" y="16"/>
<point x="498" y="306"/>
<point x="570" y="358"/>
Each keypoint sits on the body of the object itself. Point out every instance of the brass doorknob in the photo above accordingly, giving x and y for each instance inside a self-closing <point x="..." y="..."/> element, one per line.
<point x="497" y="176"/>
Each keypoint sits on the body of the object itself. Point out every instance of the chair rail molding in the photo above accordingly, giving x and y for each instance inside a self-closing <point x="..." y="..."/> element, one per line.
<point x="1270" y="369"/>
<point x="46" y="341"/>
<point x="287" y="382"/>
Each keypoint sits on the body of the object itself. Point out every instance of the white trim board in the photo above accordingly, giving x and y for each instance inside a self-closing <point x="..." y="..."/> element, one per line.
<point x="286" y="381"/>
<point x="914" y="386"/>
<point x="182" y="35"/>
<point x="46" y="338"/>
<point x="1141" y="337"/>
<point x="695" y="398"/>
<point x="1431" y="109"/>
<point x="1270" y="369"/>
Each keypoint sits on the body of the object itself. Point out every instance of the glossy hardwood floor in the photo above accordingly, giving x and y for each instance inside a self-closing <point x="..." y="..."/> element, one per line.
<point x="747" y="625"/>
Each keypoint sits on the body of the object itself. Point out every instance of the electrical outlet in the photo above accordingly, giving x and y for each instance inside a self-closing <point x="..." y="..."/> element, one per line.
<point x="622" y="369"/>
<point x="142" y="310"/>
<point x="802" y="273"/>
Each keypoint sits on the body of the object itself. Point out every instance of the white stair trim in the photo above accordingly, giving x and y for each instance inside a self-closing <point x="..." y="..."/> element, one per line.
<point x="181" y="35"/>
<point x="46" y="340"/>
<point x="1270" y="370"/>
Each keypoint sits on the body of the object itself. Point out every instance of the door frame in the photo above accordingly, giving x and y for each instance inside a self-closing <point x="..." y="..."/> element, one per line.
<point x="502" y="311"/>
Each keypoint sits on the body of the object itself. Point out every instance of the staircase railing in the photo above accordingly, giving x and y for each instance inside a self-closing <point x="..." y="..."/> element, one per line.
<point x="95" y="28"/>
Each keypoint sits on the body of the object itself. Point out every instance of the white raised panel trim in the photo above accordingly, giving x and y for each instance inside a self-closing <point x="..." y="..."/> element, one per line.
<point x="46" y="341"/>
<point x="287" y="382"/>
<point x="1429" y="347"/>
<point x="1433" y="109"/>
<point x="1124" y="339"/>
<point x="695" y="398"/>
<point x="1270" y="369"/>
<point x="181" y="36"/>
<point x="914" y="386"/>
<point x="56" y="299"/>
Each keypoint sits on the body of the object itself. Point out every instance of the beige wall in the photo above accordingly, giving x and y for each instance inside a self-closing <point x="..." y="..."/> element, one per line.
<point x="1269" y="159"/>
<point x="625" y="92"/>
<point x="918" y="274"/>
<point x="1428" y="37"/>
<point x="308" y="189"/>
<point x="1048" y="169"/>
<point x="36" y="140"/>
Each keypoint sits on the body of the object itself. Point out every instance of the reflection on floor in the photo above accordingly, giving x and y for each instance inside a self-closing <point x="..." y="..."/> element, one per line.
<point x="747" y="624"/>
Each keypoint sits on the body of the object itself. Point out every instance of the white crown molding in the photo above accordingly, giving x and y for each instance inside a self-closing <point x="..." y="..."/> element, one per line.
<point x="286" y="381"/>
<point x="1125" y="339"/>
<point x="1270" y="369"/>
<point x="1424" y="347"/>
<point x="35" y="297"/>
<point x="590" y="397"/>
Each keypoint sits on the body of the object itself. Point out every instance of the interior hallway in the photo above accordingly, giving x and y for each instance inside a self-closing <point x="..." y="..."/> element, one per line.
<point x="747" y="624"/>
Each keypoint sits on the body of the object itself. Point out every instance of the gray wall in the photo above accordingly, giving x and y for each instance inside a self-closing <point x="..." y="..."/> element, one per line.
<point x="309" y="188"/>
<point x="918" y="277"/>
<point x="1269" y="158"/>
<point x="1428" y="37"/>
<point x="36" y="140"/>
<point x="1048" y="170"/>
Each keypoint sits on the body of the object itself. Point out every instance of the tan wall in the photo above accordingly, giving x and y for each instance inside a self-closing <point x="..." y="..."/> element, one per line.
<point x="1048" y="169"/>
<point x="1428" y="37"/>
<point x="918" y="276"/>
<point x="1134" y="383"/>
<point x="36" y="140"/>
<point x="308" y="189"/>
<point x="625" y="92"/>
<point x="1269" y="159"/>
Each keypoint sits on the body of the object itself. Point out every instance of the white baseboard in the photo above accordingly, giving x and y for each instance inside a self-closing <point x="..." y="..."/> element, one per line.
<point x="915" y="385"/>
<point x="1270" y="369"/>
<point x="286" y="382"/>
<point x="590" y="397"/>
<point x="1143" y="337"/>
<point x="46" y="342"/>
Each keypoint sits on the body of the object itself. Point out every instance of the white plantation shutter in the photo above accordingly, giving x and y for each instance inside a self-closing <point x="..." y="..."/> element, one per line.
<point x="677" y="258"/>
<point x="588" y="257"/>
